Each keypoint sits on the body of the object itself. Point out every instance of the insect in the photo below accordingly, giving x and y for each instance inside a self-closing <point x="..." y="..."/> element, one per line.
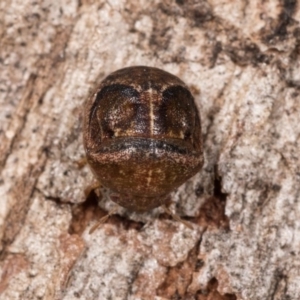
<point x="142" y="136"/>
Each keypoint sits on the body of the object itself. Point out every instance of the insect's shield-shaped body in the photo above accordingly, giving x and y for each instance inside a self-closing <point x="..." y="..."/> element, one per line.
<point x="142" y="135"/>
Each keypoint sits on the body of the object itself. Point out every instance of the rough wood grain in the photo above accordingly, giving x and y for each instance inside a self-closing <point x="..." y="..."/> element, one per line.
<point x="242" y="60"/>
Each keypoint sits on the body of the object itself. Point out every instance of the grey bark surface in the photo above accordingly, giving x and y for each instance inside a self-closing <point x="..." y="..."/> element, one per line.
<point x="242" y="62"/>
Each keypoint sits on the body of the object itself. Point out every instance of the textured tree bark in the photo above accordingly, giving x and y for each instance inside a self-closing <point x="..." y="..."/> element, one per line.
<point x="242" y="60"/>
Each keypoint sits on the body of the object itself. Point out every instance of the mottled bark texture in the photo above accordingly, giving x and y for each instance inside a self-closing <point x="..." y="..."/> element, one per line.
<point x="242" y="61"/>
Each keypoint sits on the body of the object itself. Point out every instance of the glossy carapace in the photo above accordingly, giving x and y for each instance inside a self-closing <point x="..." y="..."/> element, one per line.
<point x="142" y="135"/>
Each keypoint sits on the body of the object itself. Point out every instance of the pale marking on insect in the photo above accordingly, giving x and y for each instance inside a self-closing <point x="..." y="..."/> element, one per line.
<point x="151" y="113"/>
<point x="149" y="177"/>
<point x="117" y="132"/>
<point x="181" y="134"/>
